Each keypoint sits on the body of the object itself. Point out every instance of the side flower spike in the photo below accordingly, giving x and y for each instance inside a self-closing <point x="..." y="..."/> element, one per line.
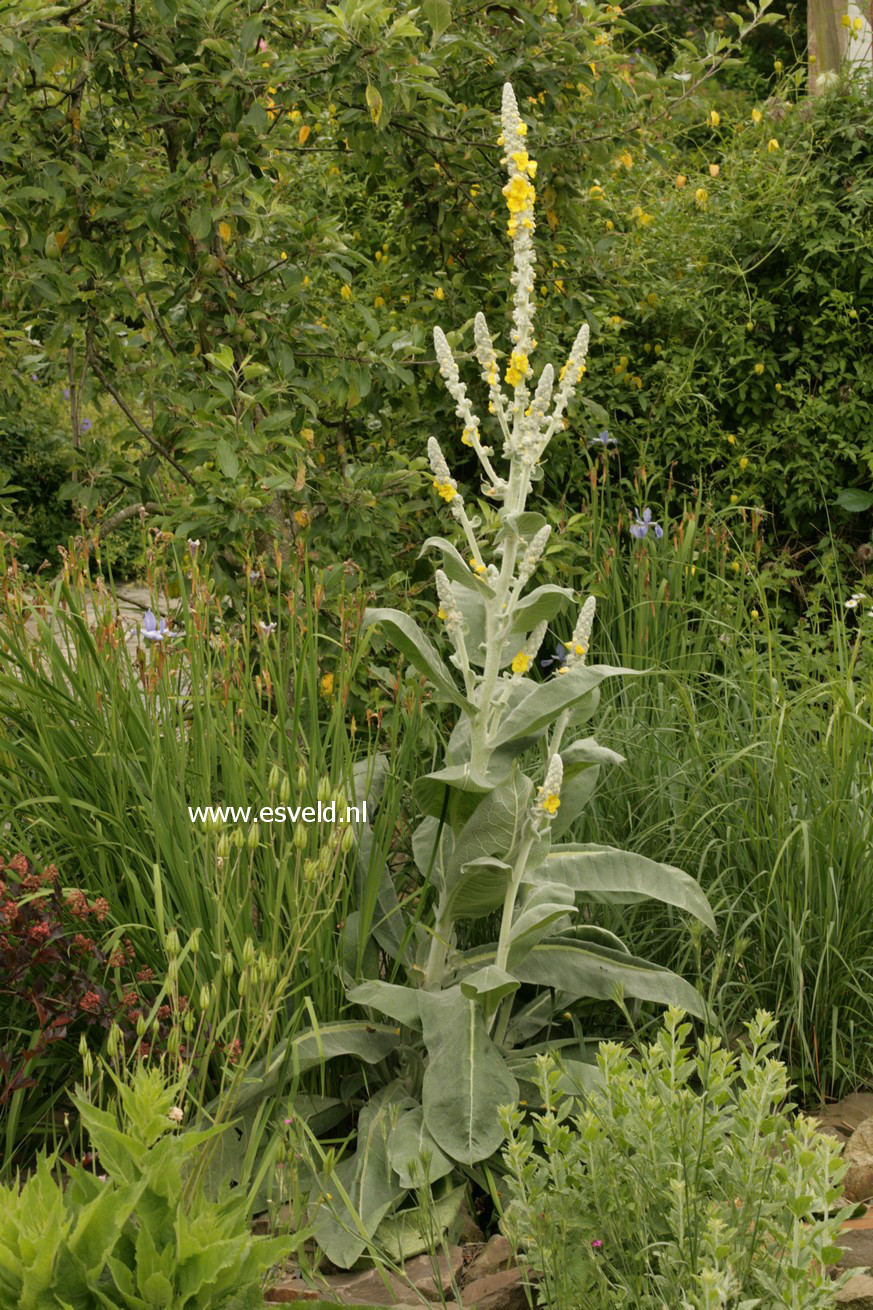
<point x="577" y="646"/>
<point x="549" y="795"/>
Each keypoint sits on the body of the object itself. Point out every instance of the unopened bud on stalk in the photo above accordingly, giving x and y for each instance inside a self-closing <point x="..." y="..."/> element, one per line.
<point x="83" y="1045"/>
<point x="273" y="782"/>
<point x="309" y="870"/>
<point x="302" y="779"/>
<point x="228" y="966"/>
<point x="188" y="1022"/>
<point x="204" y="997"/>
<point x="285" y="790"/>
<point x="338" y="798"/>
<point x="172" y="943"/>
<point x="300" y="838"/>
<point x="347" y="842"/>
<point x="141" y="1026"/>
<point x="238" y="838"/>
<point x="87" y="1064"/>
<point x="323" y="793"/>
<point x="248" y="953"/>
<point x="112" y="1041"/>
<point x="174" y="1040"/>
<point x="253" y="838"/>
<point x="195" y="940"/>
<point x="172" y="970"/>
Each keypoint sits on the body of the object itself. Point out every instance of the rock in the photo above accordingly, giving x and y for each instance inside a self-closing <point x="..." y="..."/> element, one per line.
<point x="857" y="1294"/>
<point x="366" y="1288"/>
<point x="290" y="1289"/>
<point x="858" y="1182"/>
<point x="469" y="1230"/>
<point x="503" y="1291"/>
<point x="848" y="1113"/>
<point x="496" y="1255"/>
<point x="420" y="1273"/>
<point x="857" y="1247"/>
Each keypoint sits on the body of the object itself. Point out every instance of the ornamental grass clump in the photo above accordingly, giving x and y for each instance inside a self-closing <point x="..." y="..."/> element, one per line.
<point x="467" y="1024"/>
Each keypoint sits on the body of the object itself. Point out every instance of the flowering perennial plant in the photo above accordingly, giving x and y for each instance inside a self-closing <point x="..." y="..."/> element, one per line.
<point x="488" y="836"/>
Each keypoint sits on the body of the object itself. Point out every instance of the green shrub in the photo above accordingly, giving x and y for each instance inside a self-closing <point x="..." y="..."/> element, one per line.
<point x="137" y="1235"/>
<point x="681" y="1179"/>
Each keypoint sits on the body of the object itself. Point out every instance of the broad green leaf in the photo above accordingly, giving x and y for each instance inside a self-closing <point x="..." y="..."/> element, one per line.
<point x="587" y="751"/>
<point x="466" y="1080"/>
<point x="478" y="889"/>
<point x="855" y="499"/>
<point x="488" y="986"/>
<point x="545" y="906"/>
<point x="400" y="1003"/>
<point x="495" y="826"/>
<point x="429" y="791"/>
<point x="374" y="103"/>
<point x="409" y="1232"/>
<point x="227" y="460"/>
<point x="439" y="14"/>
<point x="539" y="710"/>
<point x="371" y="1185"/>
<point x="370" y="1042"/>
<point x="604" y="873"/>
<point x="584" y="969"/>
<point x="414" y="1155"/>
<point x="408" y="637"/>
<point x="543" y="603"/>
<point x="455" y="566"/>
<point x="577" y="789"/>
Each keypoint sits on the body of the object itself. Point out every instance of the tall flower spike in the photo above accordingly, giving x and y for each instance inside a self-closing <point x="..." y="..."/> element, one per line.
<point x="463" y="409"/>
<point x="443" y="481"/>
<point x="526" y="656"/>
<point x="549" y="795"/>
<point x="520" y="199"/>
<point x="488" y="363"/>
<point x="532" y="556"/>
<point x="571" y="374"/>
<point x="577" y="646"/>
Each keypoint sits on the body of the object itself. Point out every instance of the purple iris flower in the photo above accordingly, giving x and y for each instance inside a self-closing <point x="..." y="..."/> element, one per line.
<point x="603" y="439"/>
<point x="643" y="523"/>
<point x="559" y="657"/>
<point x="34" y="377"/>
<point x="85" y="425"/>
<point x="266" y="629"/>
<point x="150" y="629"/>
<point x="66" y="393"/>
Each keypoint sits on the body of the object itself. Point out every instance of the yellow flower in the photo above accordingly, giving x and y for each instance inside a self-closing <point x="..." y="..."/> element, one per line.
<point x="283" y="255"/>
<point x="754" y="614"/>
<point x="610" y="226"/>
<point x="379" y="302"/>
<point x="445" y="489"/>
<point x="757" y="116"/>
<point x="518" y="368"/>
<point x="439" y="294"/>
<point x="301" y="518"/>
<point x="714" y="170"/>
<point x="732" y="441"/>
<point x="476" y="566"/>
<point x="777" y="65"/>
<point x="303" y="134"/>
<point x="744" y="463"/>
<point x="714" y="118"/>
<point x="596" y="192"/>
<point x="735" y="567"/>
<point x="857" y="23"/>
<point x="224" y="231"/>
<point x="378" y="256"/>
<point x="846" y="20"/>
<point x="701" y="197"/>
<point x="772" y="145"/>
<point x="778" y="386"/>
<point x="308" y="435"/>
<point x="681" y="179"/>
<point x="441" y="614"/>
<point x="759" y="369"/>
<point x="521" y="663"/>
<point x="327" y="685"/>
<point x="551" y="803"/>
<point x="734" y="499"/>
<point x="626" y="158"/>
<point x="346" y="291"/>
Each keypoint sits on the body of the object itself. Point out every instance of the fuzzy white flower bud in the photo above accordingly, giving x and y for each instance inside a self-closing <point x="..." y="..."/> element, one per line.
<point x="571" y="374"/>
<point x="577" y="646"/>
<point x="533" y="555"/>
<point x="549" y="795"/>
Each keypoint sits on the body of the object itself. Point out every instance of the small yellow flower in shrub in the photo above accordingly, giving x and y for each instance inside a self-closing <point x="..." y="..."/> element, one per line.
<point x="224" y="231"/>
<point x="754" y="614"/>
<point x="327" y="685"/>
<point x="283" y="255"/>
<point x="681" y="179"/>
<point x="777" y="65"/>
<point x="714" y="170"/>
<point x="744" y="463"/>
<point x="778" y="386"/>
<point x="439" y="294"/>
<point x="714" y="118"/>
<point x="301" y="518"/>
<point x="846" y="20"/>
<point x="757" y="116"/>
<point x="378" y="256"/>
<point x="596" y="192"/>
<point x="772" y="145"/>
<point x="735" y="566"/>
<point x="346" y="291"/>
<point x="732" y="441"/>
<point x="303" y="134"/>
<point x="701" y="197"/>
<point x="626" y="158"/>
<point x="521" y="663"/>
<point x="610" y="226"/>
<point x="759" y="369"/>
<point x="379" y="302"/>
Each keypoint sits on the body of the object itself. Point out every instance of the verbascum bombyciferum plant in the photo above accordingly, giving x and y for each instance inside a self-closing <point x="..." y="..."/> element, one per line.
<point x="472" y="1021"/>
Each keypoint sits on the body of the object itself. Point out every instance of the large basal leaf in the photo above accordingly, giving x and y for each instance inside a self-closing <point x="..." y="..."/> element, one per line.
<point x="400" y="1003"/>
<point x="414" y="1155"/>
<point x="432" y="849"/>
<point x="584" y="969"/>
<point x="539" y="710"/>
<point x="429" y="791"/>
<point x="466" y="1078"/>
<point x="370" y="1042"/>
<point x="604" y="873"/>
<point x="372" y="1187"/>
<point x="408" y="1232"/>
<point x="408" y="637"/>
<point x="495" y="826"/>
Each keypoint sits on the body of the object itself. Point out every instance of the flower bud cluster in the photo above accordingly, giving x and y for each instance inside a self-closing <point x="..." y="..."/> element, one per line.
<point x="549" y="795"/>
<point x="577" y="646"/>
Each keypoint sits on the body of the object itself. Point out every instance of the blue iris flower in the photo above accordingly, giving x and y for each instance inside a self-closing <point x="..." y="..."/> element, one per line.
<point x="559" y="657"/>
<point x="643" y="522"/>
<point x="603" y="439"/>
